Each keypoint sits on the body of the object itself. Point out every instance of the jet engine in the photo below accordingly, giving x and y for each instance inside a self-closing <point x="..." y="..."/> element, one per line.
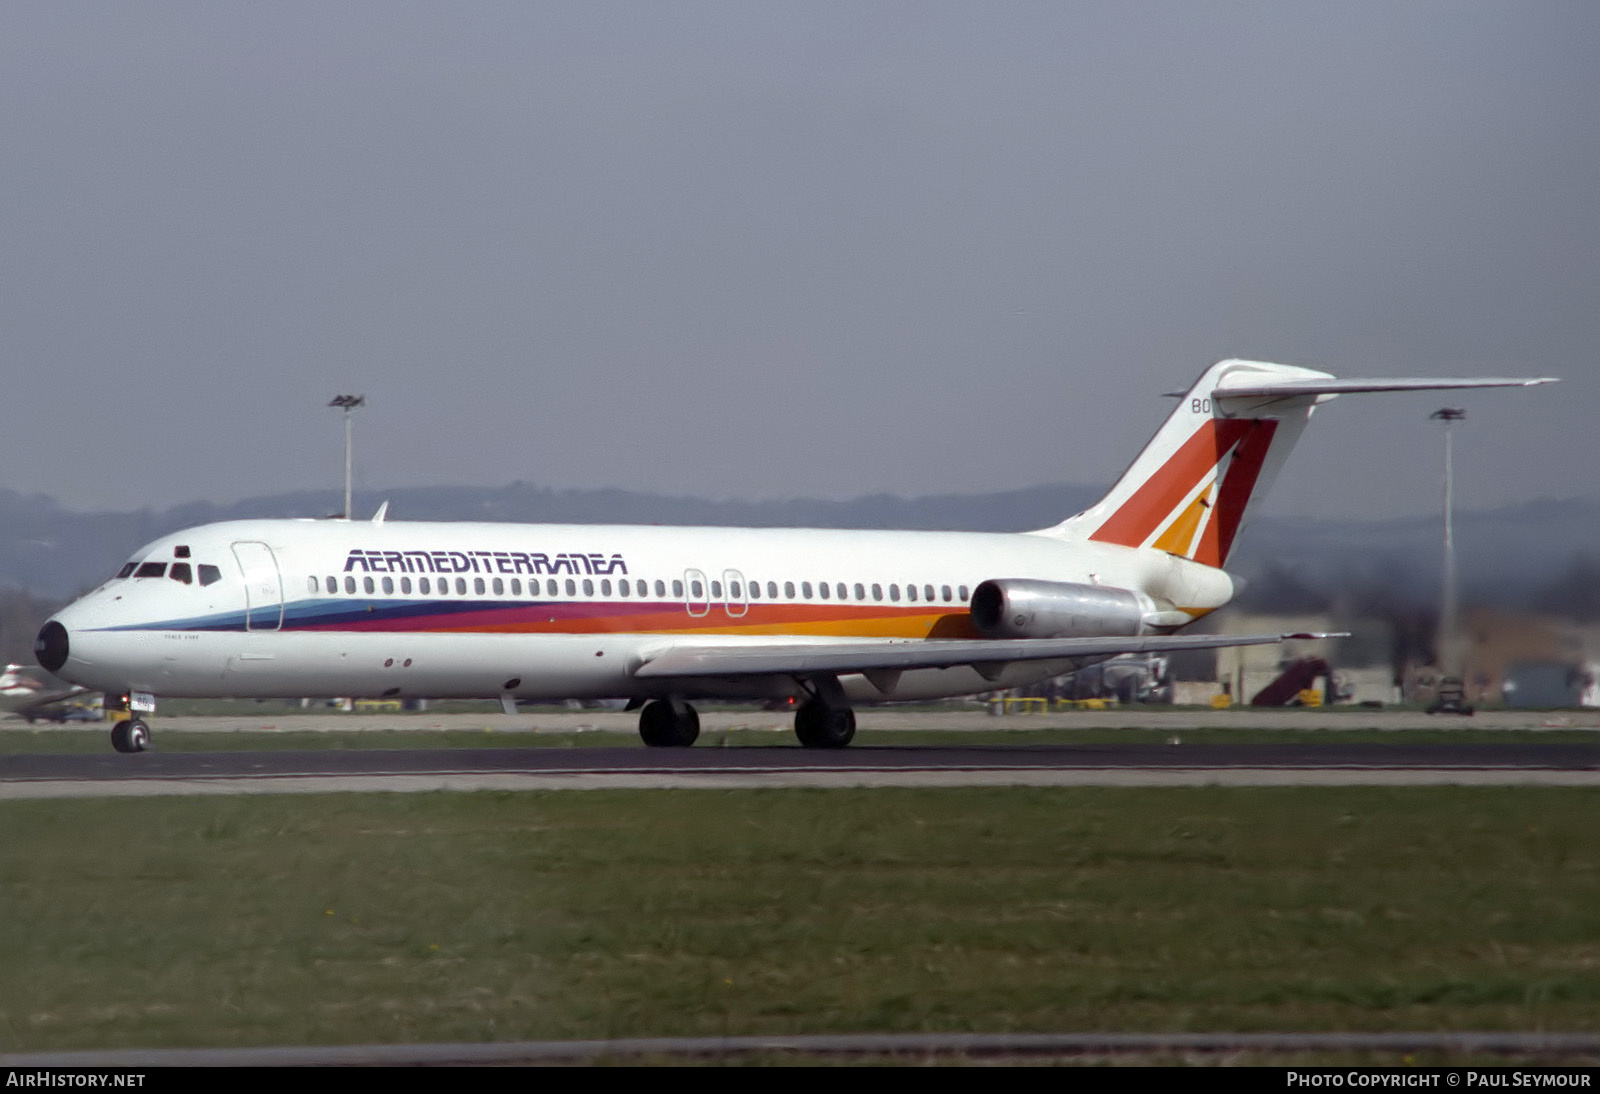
<point x="1022" y="608"/>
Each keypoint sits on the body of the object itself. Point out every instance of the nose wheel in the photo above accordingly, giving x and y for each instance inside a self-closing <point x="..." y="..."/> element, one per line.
<point x="130" y="735"/>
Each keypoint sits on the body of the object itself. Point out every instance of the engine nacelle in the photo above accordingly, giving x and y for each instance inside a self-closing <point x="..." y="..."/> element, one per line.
<point x="1022" y="608"/>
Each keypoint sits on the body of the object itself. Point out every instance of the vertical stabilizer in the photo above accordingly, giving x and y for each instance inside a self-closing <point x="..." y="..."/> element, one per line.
<point x="1188" y="493"/>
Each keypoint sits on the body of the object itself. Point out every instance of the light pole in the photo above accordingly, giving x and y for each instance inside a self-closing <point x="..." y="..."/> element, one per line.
<point x="1451" y="695"/>
<point x="347" y="403"/>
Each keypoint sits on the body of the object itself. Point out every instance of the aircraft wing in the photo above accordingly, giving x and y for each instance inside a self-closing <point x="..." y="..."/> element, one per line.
<point x="983" y="654"/>
<point x="33" y="700"/>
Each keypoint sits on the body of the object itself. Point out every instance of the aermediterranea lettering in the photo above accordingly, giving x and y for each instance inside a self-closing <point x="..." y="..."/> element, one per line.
<point x="483" y="562"/>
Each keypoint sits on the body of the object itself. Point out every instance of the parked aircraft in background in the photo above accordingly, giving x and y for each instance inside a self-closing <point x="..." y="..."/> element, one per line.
<point x="664" y="615"/>
<point x="36" y="700"/>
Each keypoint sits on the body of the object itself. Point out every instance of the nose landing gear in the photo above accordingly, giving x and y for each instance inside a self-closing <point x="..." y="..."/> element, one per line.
<point x="130" y="732"/>
<point x="130" y="735"/>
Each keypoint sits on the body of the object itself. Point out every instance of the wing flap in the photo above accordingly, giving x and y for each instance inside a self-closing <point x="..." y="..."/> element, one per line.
<point x="883" y="657"/>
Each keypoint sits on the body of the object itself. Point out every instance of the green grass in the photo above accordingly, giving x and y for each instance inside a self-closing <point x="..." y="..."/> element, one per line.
<point x="490" y="916"/>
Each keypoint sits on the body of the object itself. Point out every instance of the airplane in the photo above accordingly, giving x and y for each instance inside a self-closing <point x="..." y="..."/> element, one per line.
<point x="33" y="699"/>
<point x="664" y="615"/>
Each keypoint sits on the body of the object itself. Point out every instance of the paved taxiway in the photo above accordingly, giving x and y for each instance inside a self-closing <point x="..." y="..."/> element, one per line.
<point x="707" y="766"/>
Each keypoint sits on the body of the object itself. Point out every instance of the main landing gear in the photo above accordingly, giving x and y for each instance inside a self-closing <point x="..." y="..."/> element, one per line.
<point x="824" y="720"/>
<point x="130" y="735"/>
<point x="669" y="723"/>
<point x="819" y="725"/>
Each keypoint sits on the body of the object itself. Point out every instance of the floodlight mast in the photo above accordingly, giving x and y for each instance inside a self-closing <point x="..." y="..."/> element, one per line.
<point x="347" y="403"/>
<point x="1451" y="696"/>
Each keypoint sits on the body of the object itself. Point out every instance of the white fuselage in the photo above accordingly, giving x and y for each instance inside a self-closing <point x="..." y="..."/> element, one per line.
<point x="297" y="608"/>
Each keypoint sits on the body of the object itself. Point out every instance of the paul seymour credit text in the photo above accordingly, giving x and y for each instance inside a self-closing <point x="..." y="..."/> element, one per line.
<point x="1454" y="1078"/>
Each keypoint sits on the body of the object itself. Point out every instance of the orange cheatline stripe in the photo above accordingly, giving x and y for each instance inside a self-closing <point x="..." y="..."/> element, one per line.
<point x="819" y="620"/>
<point x="1154" y="501"/>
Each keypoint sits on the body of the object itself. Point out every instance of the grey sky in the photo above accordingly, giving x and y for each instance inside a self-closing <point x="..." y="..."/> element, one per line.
<point x="763" y="250"/>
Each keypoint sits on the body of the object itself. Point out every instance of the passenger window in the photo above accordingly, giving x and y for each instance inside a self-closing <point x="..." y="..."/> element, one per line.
<point x="677" y="589"/>
<point x="822" y="589"/>
<point x="588" y="587"/>
<point x="963" y="592"/>
<point x="477" y="586"/>
<point x="572" y="587"/>
<point x="605" y="586"/>
<point x="443" y="586"/>
<point x="127" y="568"/>
<point x="499" y="587"/>
<point x="805" y="589"/>
<point x="623" y="589"/>
<point x="755" y="590"/>
<point x="405" y="585"/>
<point x="349" y="584"/>
<point x="716" y="589"/>
<point x="696" y="588"/>
<point x="733" y="590"/>
<point x="461" y="586"/>
<point x="877" y="592"/>
<point x="644" y="590"/>
<point x="844" y="593"/>
<point x="424" y="586"/>
<point x="180" y="572"/>
<point x="312" y="584"/>
<point x="911" y="593"/>
<point x="367" y="584"/>
<point x="861" y="594"/>
<point x="944" y="591"/>
<point x="894" y="593"/>
<point x="788" y="590"/>
<point x="151" y="569"/>
<point x="331" y="584"/>
<point x="388" y="586"/>
<point x="552" y="589"/>
<point x="516" y="586"/>
<point x="772" y="590"/>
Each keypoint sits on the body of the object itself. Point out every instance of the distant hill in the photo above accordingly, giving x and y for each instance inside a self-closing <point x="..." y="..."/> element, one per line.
<point x="1504" y="554"/>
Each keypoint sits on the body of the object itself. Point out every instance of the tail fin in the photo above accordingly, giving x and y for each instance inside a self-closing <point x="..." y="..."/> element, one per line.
<point x="1191" y="489"/>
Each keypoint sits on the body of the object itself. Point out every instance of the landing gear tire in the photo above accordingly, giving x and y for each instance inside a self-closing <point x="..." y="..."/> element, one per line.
<point x="660" y="726"/>
<point x="821" y="726"/>
<point x="130" y="735"/>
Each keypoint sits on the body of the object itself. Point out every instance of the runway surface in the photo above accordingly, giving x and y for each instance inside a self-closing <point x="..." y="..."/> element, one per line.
<point x="1273" y="764"/>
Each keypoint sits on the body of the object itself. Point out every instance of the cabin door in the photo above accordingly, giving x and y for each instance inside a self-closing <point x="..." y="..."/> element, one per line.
<point x="263" y="588"/>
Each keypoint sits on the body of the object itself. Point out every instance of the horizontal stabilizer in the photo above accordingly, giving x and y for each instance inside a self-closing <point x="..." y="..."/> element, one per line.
<point x="1250" y="386"/>
<point x="798" y="659"/>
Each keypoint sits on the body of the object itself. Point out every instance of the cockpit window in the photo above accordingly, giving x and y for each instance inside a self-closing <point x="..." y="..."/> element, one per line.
<point x="151" y="569"/>
<point x="181" y="572"/>
<point x="126" y="570"/>
<point x="209" y="575"/>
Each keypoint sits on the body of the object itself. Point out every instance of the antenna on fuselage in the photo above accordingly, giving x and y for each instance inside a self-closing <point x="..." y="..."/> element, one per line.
<point x="383" y="511"/>
<point x="347" y="403"/>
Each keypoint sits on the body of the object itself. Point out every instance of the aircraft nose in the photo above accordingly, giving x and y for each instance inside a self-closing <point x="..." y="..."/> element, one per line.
<point x="50" y="648"/>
